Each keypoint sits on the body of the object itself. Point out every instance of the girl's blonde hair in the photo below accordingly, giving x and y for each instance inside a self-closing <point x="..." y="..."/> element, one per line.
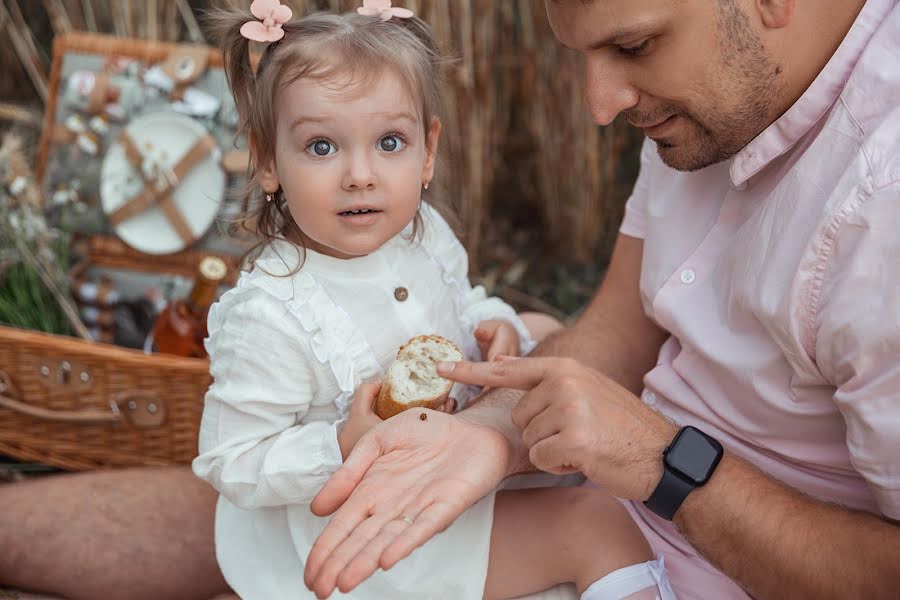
<point x="322" y="46"/>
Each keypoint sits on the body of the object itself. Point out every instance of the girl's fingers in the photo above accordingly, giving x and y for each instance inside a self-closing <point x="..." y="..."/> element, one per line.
<point x="364" y="399"/>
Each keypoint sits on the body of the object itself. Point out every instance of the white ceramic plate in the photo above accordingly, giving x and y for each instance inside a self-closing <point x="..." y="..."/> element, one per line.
<point x="164" y="138"/>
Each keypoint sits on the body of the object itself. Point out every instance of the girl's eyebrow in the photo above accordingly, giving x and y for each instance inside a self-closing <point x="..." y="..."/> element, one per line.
<point x="397" y="116"/>
<point x="309" y="119"/>
<point x="393" y="116"/>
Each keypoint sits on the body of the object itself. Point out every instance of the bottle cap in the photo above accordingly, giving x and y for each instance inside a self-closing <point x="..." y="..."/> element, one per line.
<point x="213" y="268"/>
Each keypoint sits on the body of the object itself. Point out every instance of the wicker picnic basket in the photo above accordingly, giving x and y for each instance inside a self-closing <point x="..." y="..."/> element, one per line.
<point x="76" y="404"/>
<point x="80" y="405"/>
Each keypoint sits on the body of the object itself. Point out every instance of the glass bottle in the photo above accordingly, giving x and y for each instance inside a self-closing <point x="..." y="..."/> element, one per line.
<point x="181" y="327"/>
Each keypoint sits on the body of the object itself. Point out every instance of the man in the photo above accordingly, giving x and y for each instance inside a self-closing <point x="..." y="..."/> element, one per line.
<point x="759" y="271"/>
<point x="763" y="287"/>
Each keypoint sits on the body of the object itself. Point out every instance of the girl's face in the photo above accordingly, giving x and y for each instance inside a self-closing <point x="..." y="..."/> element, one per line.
<point x="351" y="162"/>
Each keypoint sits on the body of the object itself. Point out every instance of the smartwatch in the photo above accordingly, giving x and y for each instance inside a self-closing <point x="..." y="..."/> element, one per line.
<point x="688" y="462"/>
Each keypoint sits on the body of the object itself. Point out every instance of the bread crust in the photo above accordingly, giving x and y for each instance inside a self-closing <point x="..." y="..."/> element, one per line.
<point x="386" y="407"/>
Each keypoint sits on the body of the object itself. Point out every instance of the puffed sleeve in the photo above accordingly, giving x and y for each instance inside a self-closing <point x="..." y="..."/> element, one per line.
<point x="256" y="447"/>
<point x="634" y="224"/>
<point x="476" y="305"/>
<point x="858" y="338"/>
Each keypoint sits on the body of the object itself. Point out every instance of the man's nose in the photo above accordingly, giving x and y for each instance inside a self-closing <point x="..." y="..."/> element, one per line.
<point x="608" y="90"/>
<point x="360" y="173"/>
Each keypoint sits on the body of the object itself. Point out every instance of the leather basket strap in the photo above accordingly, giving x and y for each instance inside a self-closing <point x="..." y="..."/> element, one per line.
<point x="154" y="193"/>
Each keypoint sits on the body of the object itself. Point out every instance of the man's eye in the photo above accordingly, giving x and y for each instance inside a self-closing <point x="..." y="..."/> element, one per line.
<point x="321" y="148"/>
<point x="638" y="50"/>
<point x="391" y="143"/>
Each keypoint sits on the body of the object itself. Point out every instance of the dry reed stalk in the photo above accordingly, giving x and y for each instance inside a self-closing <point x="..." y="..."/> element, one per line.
<point x="59" y="17"/>
<point x="171" y="23"/>
<point x="73" y="12"/>
<point x="20" y="114"/>
<point x="130" y="22"/>
<point x="153" y="19"/>
<point x="90" y="20"/>
<point x="120" y="24"/>
<point x="23" y="43"/>
<point x="190" y="21"/>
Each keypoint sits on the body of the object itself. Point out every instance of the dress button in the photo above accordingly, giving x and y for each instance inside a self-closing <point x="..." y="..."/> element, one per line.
<point x="401" y="294"/>
<point x="649" y="398"/>
<point x="688" y="276"/>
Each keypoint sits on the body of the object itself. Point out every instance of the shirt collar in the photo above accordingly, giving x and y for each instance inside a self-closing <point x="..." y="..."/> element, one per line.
<point x="817" y="100"/>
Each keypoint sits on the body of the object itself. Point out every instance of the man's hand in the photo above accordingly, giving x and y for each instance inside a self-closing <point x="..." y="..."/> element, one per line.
<point x="361" y="417"/>
<point x="427" y="471"/>
<point x="496" y="337"/>
<point x="574" y="418"/>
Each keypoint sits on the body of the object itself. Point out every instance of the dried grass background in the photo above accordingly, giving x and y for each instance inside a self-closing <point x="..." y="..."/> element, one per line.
<point x="539" y="189"/>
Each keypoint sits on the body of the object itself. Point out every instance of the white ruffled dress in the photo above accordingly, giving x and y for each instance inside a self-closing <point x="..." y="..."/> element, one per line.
<point x="287" y="354"/>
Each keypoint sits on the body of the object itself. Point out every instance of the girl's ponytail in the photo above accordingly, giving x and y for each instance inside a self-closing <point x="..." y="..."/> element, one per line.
<point x="225" y="26"/>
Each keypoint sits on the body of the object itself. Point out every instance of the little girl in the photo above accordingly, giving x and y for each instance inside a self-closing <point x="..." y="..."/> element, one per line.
<point x="341" y="115"/>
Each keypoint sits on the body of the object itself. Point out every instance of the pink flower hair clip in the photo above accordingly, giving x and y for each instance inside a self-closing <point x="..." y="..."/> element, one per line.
<point x="383" y="9"/>
<point x="272" y="15"/>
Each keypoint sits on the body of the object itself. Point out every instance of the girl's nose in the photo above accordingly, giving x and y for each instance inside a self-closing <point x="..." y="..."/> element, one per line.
<point x="360" y="174"/>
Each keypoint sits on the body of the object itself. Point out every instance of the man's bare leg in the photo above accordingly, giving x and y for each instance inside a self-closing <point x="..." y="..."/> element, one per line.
<point x="540" y="325"/>
<point x="131" y="534"/>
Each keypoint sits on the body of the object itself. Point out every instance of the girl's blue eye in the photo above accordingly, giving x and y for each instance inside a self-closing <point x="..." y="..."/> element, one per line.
<point x="321" y="148"/>
<point x="391" y="143"/>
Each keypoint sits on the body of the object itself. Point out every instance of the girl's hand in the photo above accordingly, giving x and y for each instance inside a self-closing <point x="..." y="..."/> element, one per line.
<point x="361" y="417"/>
<point x="449" y="406"/>
<point x="495" y="338"/>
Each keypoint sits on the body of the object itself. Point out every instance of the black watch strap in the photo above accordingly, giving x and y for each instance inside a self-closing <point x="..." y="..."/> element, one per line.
<point x="668" y="495"/>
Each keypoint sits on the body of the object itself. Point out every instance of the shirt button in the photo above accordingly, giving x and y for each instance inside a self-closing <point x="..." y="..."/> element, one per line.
<point x="401" y="294"/>
<point x="688" y="276"/>
<point x="649" y="398"/>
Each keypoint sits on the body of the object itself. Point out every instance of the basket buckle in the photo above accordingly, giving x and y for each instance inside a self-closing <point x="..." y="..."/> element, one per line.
<point x="140" y="409"/>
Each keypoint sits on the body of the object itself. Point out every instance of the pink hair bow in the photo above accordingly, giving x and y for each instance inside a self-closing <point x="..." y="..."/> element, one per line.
<point x="383" y="9"/>
<point x="272" y="15"/>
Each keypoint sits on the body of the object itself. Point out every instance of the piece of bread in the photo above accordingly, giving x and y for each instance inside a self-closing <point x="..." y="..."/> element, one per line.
<point x="412" y="381"/>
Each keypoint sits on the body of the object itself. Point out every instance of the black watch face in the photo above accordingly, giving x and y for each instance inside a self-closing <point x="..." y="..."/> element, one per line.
<point x="693" y="455"/>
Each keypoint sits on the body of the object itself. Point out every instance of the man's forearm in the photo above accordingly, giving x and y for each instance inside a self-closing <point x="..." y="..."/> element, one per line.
<point x="493" y="410"/>
<point x="779" y="544"/>
<point x="622" y="352"/>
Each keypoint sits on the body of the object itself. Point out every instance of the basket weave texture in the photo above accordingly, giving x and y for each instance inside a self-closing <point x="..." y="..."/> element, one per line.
<point x="79" y="405"/>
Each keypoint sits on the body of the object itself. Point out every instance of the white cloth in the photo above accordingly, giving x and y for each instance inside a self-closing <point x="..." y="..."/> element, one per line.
<point x="646" y="581"/>
<point x="286" y="354"/>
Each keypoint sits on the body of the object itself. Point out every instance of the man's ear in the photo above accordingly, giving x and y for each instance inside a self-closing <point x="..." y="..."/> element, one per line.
<point x="776" y="14"/>
<point x="432" y="138"/>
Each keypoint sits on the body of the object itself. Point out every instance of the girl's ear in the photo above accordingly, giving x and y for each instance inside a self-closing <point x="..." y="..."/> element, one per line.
<point x="432" y="138"/>
<point x="267" y="176"/>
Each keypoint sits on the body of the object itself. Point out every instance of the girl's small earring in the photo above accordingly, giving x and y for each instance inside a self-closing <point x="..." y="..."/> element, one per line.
<point x="268" y="197"/>
<point x="425" y="185"/>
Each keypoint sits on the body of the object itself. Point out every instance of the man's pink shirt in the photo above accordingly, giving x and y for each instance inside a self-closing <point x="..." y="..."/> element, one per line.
<point x="778" y="275"/>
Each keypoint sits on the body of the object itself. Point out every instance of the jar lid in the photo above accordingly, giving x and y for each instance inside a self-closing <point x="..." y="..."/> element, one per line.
<point x="213" y="268"/>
